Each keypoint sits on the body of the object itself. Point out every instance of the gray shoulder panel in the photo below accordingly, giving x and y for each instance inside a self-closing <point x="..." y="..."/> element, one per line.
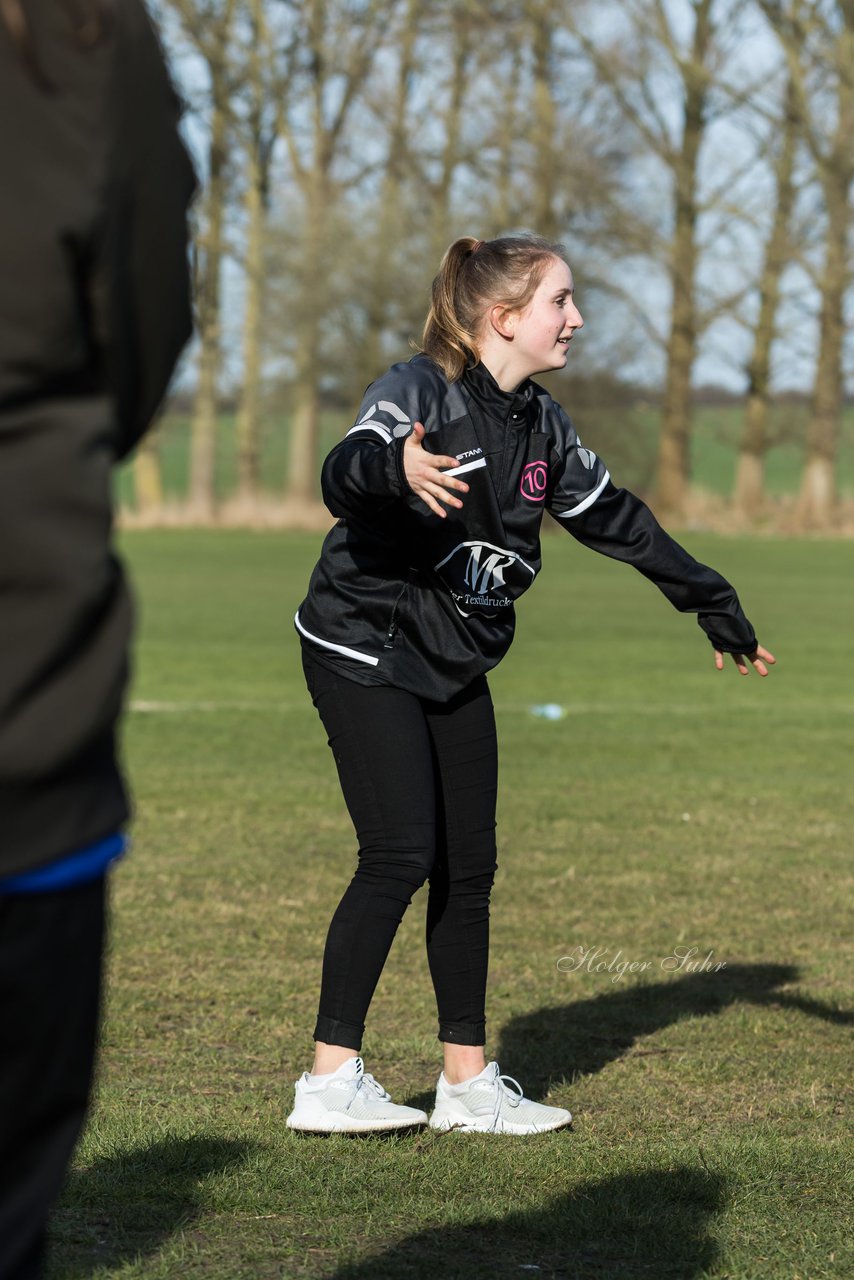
<point x="410" y="391"/>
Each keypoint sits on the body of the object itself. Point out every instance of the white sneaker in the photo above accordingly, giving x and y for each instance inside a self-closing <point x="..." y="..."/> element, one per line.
<point x="484" y="1104"/>
<point x="348" y="1100"/>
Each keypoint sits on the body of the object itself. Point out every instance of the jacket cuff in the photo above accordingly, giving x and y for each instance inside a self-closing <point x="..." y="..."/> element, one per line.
<point x="404" y="487"/>
<point x="728" y="644"/>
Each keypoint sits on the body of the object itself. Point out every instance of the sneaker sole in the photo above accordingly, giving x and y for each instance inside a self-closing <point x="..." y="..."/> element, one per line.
<point x="448" y="1124"/>
<point x="353" y="1126"/>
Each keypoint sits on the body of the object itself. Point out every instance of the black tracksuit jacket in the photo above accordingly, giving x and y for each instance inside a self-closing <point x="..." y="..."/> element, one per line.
<point x="94" y="310"/>
<point x="404" y="598"/>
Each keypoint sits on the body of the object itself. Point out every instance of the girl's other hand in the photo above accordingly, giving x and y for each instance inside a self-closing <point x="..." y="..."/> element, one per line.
<point x="425" y="476"/>
<point x="759" y="657"/>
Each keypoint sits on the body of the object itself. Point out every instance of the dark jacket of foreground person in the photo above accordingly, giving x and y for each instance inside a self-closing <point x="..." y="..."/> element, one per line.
<point x="94" y="311"/>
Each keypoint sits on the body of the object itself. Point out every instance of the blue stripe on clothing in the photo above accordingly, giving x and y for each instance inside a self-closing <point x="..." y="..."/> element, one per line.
<point x="80" y="867"/>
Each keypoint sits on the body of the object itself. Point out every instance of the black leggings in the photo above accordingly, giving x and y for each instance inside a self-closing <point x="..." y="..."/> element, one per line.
<point x="50" y="983"/>
<point x="420" y="781"/>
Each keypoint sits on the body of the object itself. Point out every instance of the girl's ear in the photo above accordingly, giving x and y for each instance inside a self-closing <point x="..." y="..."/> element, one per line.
<point x="502" y="320"/>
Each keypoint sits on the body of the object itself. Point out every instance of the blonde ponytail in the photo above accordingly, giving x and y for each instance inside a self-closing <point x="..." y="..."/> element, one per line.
<point x="475" y="275"/>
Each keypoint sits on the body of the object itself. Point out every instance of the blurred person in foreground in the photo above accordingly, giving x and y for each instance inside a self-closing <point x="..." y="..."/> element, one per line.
<point x="94" y="311"/>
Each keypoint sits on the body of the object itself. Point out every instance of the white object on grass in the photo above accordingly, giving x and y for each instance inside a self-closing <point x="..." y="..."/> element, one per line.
<point x="548" y="711"/>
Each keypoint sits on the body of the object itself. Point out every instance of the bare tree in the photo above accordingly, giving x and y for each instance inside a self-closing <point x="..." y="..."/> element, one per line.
<point x="462" y="21"/>
<point x="147" y="475"/>
<point x="265" y="83"/>
<point x="504" y="206"/>
<point x="338" y="43"/>
<point x="749" y="487"/>
<point x="208" y="25"/>
<point x="670" y="88"/>
<point x="547" y="170"/>
<point x="818" y="40"/>
<point x="389" y="214"/>
<point x="673" y="457"/>
<point x="402" y="125"/>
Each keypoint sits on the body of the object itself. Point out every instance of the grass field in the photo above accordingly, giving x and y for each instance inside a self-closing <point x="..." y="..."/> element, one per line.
<point x="671" y="807"/>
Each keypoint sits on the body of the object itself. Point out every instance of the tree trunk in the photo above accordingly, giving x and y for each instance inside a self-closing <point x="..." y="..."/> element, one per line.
<point x="674" y="444"/>
<point x="505" y="203"/>
<point x="749" y="488"/>
<point x="673" y="456"/>
<point x="460" y="54"/>
<point x="147" y="476"/>
<point x="203" y="424"/>
<point x="388" y="234"/>
<point x="305" y="427"/>
<point x="748" y="494"/>
<point x="204" y="420"/>
<point x="546" y="170"/>
<point x="247" y="427"/>
<point x="338" y="70"/>
<point x="817" y="498"/>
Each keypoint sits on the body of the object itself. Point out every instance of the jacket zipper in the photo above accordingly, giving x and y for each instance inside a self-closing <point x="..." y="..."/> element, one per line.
<point x="392" y="625"/>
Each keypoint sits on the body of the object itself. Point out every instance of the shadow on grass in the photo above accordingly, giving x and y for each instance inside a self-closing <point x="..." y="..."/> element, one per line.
<point x="586" y="1035"/>
<point x="653" y="1224"/>
<point x="127" y="1205"/>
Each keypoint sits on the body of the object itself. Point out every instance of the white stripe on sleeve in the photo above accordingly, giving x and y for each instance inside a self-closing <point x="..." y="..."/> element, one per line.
<point x="586" y="502"/>
<point x="372" y="426"/>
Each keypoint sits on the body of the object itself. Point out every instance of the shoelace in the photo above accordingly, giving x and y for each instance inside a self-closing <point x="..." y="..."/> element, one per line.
<point x="502" y="1092"/>
<point x="368" y="1079"/>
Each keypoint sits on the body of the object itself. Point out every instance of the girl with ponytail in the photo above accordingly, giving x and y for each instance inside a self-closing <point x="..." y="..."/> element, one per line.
<point x="473" y="275"/>
<point x="439" y="488"/>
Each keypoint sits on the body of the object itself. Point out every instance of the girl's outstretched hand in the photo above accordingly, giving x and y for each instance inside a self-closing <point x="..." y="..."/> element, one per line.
<point x="759" y="657"/>
<point x="425" y="475"/>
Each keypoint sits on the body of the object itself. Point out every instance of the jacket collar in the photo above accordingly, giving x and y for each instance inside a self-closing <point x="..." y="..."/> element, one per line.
<point x="498" y="405"/>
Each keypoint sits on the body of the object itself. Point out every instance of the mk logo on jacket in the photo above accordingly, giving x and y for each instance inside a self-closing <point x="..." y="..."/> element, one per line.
<point x="484" y="578"/>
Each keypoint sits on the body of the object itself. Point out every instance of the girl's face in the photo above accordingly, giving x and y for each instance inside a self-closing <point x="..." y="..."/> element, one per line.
<point x="543" y="330"/>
